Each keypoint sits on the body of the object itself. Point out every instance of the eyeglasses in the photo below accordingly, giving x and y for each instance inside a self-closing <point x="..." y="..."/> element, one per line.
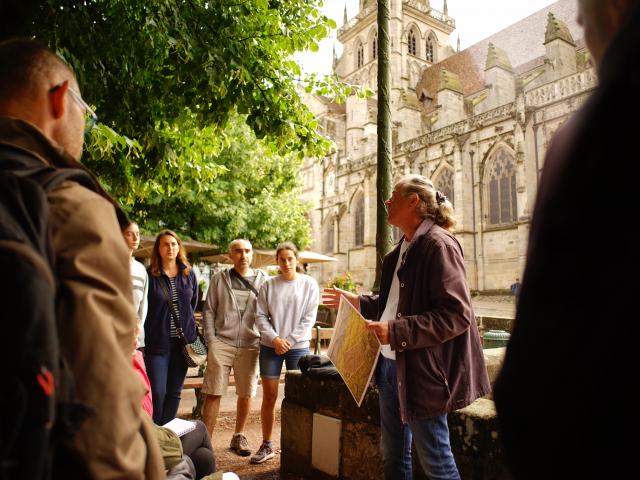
<point x="90" y="117"/>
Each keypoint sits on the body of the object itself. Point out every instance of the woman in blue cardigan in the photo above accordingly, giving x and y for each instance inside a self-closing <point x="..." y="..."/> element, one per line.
<point x="173" y="296"/>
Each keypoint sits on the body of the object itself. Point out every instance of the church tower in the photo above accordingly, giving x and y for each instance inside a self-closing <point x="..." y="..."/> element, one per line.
<point x="419" y="37"/>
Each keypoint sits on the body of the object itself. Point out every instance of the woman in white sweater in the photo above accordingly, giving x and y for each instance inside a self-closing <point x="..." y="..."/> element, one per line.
<point x="139" y="278"/>
<point x="285" y="314"/>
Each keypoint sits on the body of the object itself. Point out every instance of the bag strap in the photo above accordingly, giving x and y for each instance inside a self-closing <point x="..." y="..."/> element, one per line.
<point x="244" y="281"/>
<point x="172" y="311"/>
<point x="24" y="164"/>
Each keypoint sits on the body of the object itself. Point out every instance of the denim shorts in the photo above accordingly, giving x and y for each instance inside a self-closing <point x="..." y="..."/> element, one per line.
<point x="271" y="364"/>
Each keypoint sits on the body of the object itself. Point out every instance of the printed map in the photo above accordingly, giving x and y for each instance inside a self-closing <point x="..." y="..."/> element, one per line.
<point x="353" y="350"/>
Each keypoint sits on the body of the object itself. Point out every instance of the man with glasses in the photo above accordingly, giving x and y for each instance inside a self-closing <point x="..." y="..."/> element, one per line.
<point x="43" y="120"/>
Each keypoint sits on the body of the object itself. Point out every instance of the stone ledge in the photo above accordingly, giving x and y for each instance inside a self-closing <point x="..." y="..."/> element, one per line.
<point x="473" y="429"/>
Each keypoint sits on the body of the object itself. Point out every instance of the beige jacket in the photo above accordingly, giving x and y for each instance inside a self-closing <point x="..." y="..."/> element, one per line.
<point x="96" y="319"/>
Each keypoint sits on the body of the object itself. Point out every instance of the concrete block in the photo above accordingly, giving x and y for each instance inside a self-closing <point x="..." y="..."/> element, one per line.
<point x="325" y="444"/>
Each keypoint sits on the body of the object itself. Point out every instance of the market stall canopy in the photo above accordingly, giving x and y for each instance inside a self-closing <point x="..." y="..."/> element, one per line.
<point x="191" y="246"/>
<point x="264" y="258"/>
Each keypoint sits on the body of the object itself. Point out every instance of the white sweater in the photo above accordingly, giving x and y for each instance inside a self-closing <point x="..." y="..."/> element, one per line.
<point x="287" y="309"/>
<point x="140" y="288"/>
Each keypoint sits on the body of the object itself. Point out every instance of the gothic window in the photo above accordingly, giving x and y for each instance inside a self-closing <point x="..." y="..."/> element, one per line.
<point x="429" y="51"/>
<point x="329" y="232"/>
<point x="444" y="183"/>
<point x="358" y="217"/>
<point x="374" y="47"/>
<point x="502" y="189"/>
<point x="359" y="55"/>
<point x="411" y="40"/>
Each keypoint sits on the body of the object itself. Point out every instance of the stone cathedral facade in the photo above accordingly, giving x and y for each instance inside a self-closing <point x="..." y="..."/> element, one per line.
<point x="477" y="122"/>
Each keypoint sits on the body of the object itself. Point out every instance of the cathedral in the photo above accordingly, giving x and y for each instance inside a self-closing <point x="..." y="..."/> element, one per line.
<point x="477" y="122"/>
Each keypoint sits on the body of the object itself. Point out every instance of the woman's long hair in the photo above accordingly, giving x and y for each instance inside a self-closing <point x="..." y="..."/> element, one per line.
<point x="156" y="260"/>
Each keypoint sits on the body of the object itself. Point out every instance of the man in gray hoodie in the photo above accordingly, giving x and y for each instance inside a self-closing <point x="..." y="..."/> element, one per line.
<point x="233" y="341"/>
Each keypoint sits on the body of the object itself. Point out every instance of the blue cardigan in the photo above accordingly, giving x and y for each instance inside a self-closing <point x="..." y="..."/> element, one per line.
<point x="158" y="322"/>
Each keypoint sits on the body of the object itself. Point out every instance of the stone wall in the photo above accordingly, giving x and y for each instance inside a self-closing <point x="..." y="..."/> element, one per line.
<point x="474" y="435"/>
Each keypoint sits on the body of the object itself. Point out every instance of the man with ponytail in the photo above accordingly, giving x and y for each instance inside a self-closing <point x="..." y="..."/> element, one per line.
<point x="432" y="361"/>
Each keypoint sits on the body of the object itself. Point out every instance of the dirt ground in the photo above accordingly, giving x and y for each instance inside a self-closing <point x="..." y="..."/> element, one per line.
<point x="229" y="461"/>
<point x="226" y="459"/>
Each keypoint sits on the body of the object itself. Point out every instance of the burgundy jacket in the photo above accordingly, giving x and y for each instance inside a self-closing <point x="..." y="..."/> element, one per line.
<point x="439" y="359"/>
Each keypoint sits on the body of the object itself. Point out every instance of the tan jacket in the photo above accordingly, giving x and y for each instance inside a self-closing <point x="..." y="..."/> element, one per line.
<point x="96" y="319"/>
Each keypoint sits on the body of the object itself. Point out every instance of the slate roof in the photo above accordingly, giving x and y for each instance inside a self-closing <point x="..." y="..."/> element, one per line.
<point x="522" y="42"/>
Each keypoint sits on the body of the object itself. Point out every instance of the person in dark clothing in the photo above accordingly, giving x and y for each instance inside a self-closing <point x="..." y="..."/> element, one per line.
<point x="432" y="361"/>
<point x="566" y="393"/>
<point x="173" y="296"/>
<point x="515" y="288"/>
<point x="197" y="445"/>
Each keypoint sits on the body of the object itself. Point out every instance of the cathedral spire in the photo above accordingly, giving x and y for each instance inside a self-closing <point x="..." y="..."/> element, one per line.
<point x="458" y="49"/>
<point x="344" y="21"/>
<point x="445" y="9"/>
<point x="335" y="57"/>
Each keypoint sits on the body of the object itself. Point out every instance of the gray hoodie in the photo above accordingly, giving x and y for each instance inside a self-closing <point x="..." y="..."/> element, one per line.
<point x="221" y="316"/>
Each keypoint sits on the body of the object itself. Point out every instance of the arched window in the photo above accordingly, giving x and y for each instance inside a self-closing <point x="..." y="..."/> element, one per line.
<point x="329" y="232"/>
<point x="444" y="183"/>
<point x="374" y="47"/>
<point x="358" y="220"/>
<point x="411" y="41"/>
<point x="359" y="55"/>
<point x="429" y="51"/>
<point x="503" y="206"/>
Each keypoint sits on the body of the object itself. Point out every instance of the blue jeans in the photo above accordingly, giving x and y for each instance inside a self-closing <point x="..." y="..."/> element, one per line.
<point x="430" y="436"/>
<point x="271" y="364"/>
<point x="166" y="373"/>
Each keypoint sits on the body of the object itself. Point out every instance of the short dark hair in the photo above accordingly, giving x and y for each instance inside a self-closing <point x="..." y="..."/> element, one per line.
<point x="23" y="62"/>
<point x="286" y="246"/>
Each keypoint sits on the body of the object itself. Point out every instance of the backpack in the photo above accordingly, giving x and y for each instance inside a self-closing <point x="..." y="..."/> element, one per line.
<point x="39" y="413"/>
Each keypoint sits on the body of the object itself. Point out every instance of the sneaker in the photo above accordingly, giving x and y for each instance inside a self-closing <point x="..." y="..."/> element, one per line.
<point x="240" y="445"/>
<point x="264" y="453"/>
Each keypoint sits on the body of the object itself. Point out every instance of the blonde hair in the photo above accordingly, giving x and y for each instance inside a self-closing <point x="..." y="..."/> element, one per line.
<point x="432" y="203"/>
<point x="156" y="261"/>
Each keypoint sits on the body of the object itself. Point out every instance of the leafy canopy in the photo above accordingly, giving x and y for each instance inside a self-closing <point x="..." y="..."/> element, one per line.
<point x="168" y="77"/>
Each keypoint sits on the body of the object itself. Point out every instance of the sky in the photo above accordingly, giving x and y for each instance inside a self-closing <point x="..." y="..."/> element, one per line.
<point x="475" y="21"/>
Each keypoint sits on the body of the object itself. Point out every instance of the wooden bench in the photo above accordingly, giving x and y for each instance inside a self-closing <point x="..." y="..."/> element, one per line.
<point x="195" y="383"/>
<point x="318" y="334"/>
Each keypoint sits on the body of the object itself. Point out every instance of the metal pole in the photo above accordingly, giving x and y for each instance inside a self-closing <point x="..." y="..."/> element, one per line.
<point x="383" y="179"/>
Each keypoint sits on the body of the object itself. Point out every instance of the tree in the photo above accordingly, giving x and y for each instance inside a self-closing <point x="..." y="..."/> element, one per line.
<point x="166" y="77"/>
<point x="255" y="197"/>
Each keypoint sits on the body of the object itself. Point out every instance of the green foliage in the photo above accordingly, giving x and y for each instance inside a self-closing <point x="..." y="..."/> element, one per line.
<point x="344" y="281"/>
<point x="168" y="79"/>
<point x="255" y="196"/>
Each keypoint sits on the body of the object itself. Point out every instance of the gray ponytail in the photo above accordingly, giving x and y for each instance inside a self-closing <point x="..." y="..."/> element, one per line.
<point x="433" y="204"/>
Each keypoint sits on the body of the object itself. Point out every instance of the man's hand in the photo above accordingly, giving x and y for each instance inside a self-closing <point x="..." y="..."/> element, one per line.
<point x="281" y="345"/>
<point x="331" y="297"/>
<point x="381" y="329"/>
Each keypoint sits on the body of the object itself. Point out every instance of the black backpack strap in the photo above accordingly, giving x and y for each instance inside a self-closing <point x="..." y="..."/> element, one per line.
<point x="233" y="273"/>
<point x="22" y="163"/>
